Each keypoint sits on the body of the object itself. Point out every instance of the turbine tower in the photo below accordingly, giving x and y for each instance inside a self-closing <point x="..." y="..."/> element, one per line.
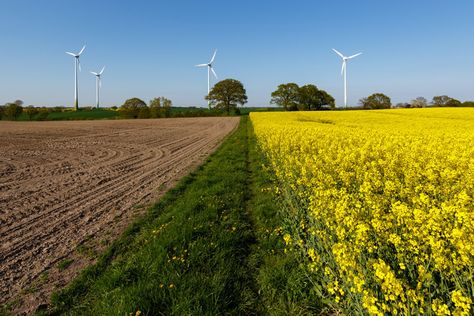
<point x="77" y="63"/>
<point x="209" y="69"/>
<point x="98" y="85"/>
<point x="344" y="70"/>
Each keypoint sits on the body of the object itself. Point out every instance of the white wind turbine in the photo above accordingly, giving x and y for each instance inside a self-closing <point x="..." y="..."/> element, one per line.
<point x="98" y="85"/>
<point x="77" y="63"/>
<point x="209" y="69"/>
<point x="344" y="71"/>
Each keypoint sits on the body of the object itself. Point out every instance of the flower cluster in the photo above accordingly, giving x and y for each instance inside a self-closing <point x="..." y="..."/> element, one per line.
<point x="380" y="204"/>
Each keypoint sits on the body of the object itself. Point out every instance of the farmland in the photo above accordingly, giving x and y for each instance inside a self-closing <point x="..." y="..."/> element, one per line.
<point x="64" y="184"/>
<point x="296" y="213"/>
<point x="378" y="205"/>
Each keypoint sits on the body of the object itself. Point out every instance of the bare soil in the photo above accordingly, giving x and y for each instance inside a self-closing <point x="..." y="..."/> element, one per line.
<point x="68" y="188"/>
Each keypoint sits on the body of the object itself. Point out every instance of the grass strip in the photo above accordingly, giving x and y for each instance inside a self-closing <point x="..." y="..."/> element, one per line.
<point x="211" y="246"/>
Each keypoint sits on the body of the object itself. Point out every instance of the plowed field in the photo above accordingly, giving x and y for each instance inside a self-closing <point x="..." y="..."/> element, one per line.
<point x="63" y="184"/>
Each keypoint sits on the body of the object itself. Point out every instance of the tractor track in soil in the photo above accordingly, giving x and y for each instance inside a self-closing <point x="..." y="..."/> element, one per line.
<point x="65" y="183"/>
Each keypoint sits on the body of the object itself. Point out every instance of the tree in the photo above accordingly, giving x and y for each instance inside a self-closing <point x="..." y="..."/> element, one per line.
<point x="440" y="100"/>
<point x="327" y="99"/>
<point x="227" y="95"/>
<point x="1" y="112"/>
<point x="453" y="103"/>
<point x="160" y="107"/>
<point x="13" y="110"/>
<point x="376" y="101"/>
<point x="419" y="102"/>
<point x="166" y="104"/>
<point x="403" y="105"/>
<point x="468" y="103"/>
<point x="309" y="97"/>
<point x="31" y="111"/>
<point x="286" y="95"/>
<point x="131" y="107"/>
<point x="155" y="108"/>
<point x="144" y="113"/>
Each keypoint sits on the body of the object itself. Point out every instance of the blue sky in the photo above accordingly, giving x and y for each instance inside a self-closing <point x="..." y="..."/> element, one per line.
<point x="411" y="48"/>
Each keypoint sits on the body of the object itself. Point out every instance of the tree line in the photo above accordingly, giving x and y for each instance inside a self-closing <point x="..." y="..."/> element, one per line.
<point x="381" y="101"/>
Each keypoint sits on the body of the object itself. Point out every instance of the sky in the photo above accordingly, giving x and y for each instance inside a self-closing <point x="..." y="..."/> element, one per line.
<point x="410" y="48"/>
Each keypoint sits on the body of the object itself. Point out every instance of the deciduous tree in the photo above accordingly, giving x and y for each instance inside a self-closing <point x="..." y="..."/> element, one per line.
<point x="131" y="107"/>
<point x="376" y="101"/>
<point x="13" y="110"/>
<point x="419" y="102"/>
<point x="440" y="100"/>
<point x="227" y="95"/>
<point x="286" y="95"/>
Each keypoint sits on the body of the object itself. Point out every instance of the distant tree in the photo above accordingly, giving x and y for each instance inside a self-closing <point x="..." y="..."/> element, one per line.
<point x="31" y="111"/>
<point x="440" y="100"/>
<point x="468" y="103"/>
<point x="286" y="95"/>
<point x="403" y="105"/>
<point x="327" y="99"/>
<point x="376" y="101"/>
<point x="419" y="102"/>
<point x="453" y="103"/>
<point x="131" y="108"/>
<point x="311" y="98"/>
<point x="227" y="95"/>
<point x="1" y="111"/>
<point x="155" y="108"/>
<point x="308" y="97"/>
<point x="160" y="107"/>
<point x="13" y="110"/>
<point x="166" y="105"/>
<point x="144" y="113"/>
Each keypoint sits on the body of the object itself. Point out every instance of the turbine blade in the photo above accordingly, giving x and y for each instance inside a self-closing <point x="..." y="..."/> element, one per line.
<point x="354" y="56"/>
<point x="100" y="83"/>
<point x="213" y="56"/>
<point x="83" y="47"/>
<point x="343" y="67"/>
<point x="94" y="73"/>
<point x="79" y="62"/>
<point x="342" y="56"/>
<point x="215" y="75"/>
<point x="72" y="54"/>
<point x="103" y="68"/>
<point x="201" y="65"/>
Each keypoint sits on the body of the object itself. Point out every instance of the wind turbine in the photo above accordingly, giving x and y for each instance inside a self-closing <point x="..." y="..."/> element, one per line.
<point x="209" y="69"/>
<point x="98" y="85"/>
<point x="344" y="70"/>
<point x="77" y="63"/>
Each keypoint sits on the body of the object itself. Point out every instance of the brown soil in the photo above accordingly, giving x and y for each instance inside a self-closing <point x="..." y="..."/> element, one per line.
<point x="68" y="188"/>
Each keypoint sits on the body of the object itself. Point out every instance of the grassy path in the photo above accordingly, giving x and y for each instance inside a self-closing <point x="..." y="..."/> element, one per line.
<point x="211" y="246"/>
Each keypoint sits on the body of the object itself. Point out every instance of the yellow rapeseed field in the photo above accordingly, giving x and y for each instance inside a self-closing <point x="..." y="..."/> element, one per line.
<point x="380" y="205"/>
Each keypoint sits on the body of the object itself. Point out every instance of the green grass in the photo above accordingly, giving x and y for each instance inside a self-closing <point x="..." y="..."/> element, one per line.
<point x="211" y="246"/>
